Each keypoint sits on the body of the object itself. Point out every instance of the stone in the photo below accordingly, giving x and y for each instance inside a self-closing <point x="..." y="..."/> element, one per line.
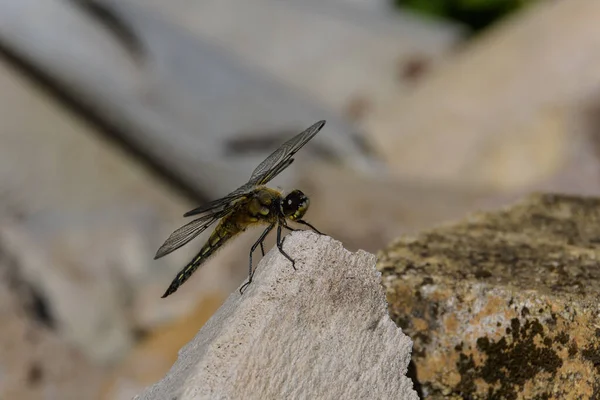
<point x="321" y="331"/>
<point x="503" y="304"/>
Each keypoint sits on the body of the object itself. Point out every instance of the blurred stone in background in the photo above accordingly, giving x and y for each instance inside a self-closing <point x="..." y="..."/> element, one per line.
<point x="81" y="221"/>
<point x="36" y="361"/>
<point x="181" y="101"/>
<point x="334" y="52"/>
<point x="369" y="213"/>
<point x="501" y="113"/>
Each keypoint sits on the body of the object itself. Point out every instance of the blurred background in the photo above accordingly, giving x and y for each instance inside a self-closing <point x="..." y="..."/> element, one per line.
<point x="116" y="117"/>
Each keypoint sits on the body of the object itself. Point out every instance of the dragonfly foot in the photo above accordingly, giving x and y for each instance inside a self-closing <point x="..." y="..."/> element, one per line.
<point x="301" y="221"/>
<point x="244" y="286"/>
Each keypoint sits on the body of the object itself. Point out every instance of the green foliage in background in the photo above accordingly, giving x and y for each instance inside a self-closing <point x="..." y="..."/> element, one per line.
<point x="477" y="14"/>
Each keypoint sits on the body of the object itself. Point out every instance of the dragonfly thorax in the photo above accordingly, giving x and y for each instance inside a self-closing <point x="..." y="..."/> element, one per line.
<point x="295" y="205"/>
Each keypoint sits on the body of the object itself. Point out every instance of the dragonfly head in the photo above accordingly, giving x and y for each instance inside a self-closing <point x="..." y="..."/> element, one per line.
<point x="294" y="205"/>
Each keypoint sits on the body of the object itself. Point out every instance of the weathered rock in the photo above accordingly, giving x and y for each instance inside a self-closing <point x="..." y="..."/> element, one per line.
<point x="321" y="331"/>
<point x="504" y="304"/>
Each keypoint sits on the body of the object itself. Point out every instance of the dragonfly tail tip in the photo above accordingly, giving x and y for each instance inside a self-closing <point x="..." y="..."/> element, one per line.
<point x="172" y="289"/>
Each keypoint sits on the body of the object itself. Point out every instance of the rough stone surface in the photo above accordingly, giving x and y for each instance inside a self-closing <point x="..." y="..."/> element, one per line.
<point x="317" y="333"/>
<point x="504" y="304"/>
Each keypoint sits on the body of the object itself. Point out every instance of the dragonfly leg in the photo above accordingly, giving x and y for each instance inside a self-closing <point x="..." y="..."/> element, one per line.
<point x="301" y="221"/>
<point x="262" y="248"/>
<point x="289" y="228"/>
<point x="280" y="245"/>
<point x="260" y="241"/>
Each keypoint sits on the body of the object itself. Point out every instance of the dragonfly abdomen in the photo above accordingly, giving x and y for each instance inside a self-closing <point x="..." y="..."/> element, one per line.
<point x="222" y="233"/>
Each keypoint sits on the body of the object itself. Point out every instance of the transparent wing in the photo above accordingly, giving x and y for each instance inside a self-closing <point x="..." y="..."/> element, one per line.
<point x="272" y="166"/>
<point x="281" y="158"/>
<point x="220" y="205"/>
<point x="186" y="233"/>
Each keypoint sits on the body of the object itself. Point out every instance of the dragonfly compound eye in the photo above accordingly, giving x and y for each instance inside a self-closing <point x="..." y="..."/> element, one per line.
<point x="295" y="205"/>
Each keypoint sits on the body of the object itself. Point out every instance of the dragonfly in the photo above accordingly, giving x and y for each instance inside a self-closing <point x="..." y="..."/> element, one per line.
<point x="249" y="205"/>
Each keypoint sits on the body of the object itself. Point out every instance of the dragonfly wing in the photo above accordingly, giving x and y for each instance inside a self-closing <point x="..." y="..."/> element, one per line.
<point x="219" y="205"/>
<point x="186" y="233"/>
<point x="276" y="170"/>
<point x="281" y="158"/>
<point x="272" y="166"/>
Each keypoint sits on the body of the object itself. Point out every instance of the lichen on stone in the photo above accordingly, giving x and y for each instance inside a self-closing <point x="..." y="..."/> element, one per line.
<point x="503" y="304"/>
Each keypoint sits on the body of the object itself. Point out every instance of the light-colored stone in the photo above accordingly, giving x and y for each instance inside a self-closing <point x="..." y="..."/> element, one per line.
<point x="321" y="331"/>
<point x="503" y="304"/>
<point x="498" y="112"/>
